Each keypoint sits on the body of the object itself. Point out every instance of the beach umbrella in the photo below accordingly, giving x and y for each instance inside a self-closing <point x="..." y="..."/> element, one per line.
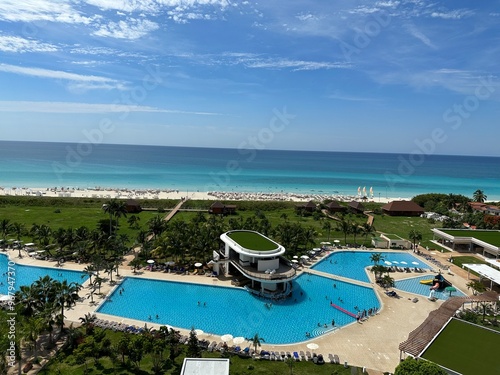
<point x="450" y="289"/>
<point x="238" y="340"/>
<point x="198" y="264"/>
<point x="395" y="262"/>
<point x="150" y="261"/>
<point x="198" y="332"/>
<point x="312" y="346"/>
<point x="171" y="263"/>
<point x="388" y="263"/>
<point x="295" y="257"/>
<point x="336" y="241"/>
<point x="305" y="257"/>
<point x="295" y="261"/>
<point x="415" y="263"/>
<point x="227" y="337"/>
<point x="325" y="243"/>
<point x="403" y="262"/>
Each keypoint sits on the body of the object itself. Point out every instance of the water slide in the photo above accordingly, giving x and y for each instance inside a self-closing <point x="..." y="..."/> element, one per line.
<point x="343" y="310"/>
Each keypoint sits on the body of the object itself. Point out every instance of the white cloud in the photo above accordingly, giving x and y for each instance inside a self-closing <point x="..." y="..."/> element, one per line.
<point x="72" y="107"/>
<point x="132" y="28"/>
<point x="22" y="45"/>
<point x="294" y="64"/>
<point x="85" y="81"/>
<point x="412" y="29"/>
<point x="453" y="14"/>
<point x="40" y="10"/>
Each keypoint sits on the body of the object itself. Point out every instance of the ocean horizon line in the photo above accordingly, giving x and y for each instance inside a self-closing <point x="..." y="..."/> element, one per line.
<point x="96" y="144"/>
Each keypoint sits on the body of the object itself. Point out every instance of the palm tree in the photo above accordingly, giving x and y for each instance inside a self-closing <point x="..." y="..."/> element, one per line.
<point x="156" y="226"/>
<point x="5" y="228"/>
<point x="88" y="321"/>
<point x="479" y="196"/>
<point x="18" y="229"/>
<point x="355" y="230"/>
<point x="344" y="226"/>
<point x="133" y="221"/>
<point x="476" y="286"/>
<point x="415" y="236"/>
<point x="367" y="230"/>
<point x="256" y="341"/>
<point x="66" y="295"/>
<point x="89" y="271"/>
<point x="327" y="225"/>
<point x="110" y="207"/>
<point x="376" y="258"/>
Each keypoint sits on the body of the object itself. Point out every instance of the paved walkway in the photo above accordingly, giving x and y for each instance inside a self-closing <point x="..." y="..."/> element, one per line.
<point x="372" y="343"/>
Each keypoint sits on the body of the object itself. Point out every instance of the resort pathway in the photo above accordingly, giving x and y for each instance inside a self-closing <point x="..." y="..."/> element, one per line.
<point x="337" y="277"/>
<point x="175" y="210"/>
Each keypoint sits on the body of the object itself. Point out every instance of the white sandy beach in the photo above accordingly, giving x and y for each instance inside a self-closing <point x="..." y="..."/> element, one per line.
<point x="109" y="193"/>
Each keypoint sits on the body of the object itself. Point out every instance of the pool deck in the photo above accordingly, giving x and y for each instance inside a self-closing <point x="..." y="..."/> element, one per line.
<point x="372" y="343"/>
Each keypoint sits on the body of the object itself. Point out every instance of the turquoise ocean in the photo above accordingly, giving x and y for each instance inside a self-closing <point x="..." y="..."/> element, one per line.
<point x="86" y="165"/>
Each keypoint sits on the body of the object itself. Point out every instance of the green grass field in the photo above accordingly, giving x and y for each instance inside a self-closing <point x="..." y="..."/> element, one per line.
<point x="465" y="348"/>
<point x="252" y="241"/>
<point x="491" y="237"/>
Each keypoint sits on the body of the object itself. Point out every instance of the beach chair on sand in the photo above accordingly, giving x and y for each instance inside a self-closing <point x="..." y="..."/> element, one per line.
<point x="296" y="356"/>
<point x="331" y="358"/>
<point x="309" y="356"/>
<point x="303" y="356"/>
<point x="336" y="358"/>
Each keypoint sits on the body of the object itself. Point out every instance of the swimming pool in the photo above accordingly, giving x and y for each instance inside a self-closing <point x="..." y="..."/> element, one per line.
<point x="413" y="285"/>
<point x="223" y="310"/>
<point x="26" y="275"/>
<point x="351" y="264"/>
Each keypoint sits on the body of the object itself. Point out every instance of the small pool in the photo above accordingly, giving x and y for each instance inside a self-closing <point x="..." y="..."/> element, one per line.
<point x="26" y="275"/>
<point x="221" y="310"/>
<point x="351" y="264"/>
<point x="412" y="285"/>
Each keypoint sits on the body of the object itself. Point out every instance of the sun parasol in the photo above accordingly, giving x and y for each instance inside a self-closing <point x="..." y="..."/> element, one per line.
<point x="304" y="257"/>
<point x="295" y="257"/>
<point x="226" y="337"/>
<point x="150" y="261"/>
<point x="395" y="262"/>
<point x="312" y="346"/>
<point x="336" y="241"/>
<point x="295" y="261"/>
<point x="198" y="264"/>
<point x="198" y="332"/>
<point x="415" y="263"/>
<point x="325" y="243"/>
<point x="388" y="263"/>
<point x="403" y="262"/>
<point x="238" y="340"/>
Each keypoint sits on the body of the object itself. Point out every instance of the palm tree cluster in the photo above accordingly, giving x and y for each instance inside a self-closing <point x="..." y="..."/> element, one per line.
<point x="347" y="227"/>
<point x="39" y="309"/>
<point x="162" y="345"/>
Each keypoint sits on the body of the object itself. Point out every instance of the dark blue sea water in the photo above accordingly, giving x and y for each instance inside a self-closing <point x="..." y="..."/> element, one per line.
<point x="37" y="164"/>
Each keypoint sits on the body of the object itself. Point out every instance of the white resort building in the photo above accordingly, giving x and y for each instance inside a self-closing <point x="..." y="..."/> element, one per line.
<point x="258" y="262"/>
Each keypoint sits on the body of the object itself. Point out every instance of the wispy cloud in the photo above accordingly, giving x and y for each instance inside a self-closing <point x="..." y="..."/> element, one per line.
<point x="41" y="10"/>
<point x="21" y="45"/>
<point x="295" y="64"/>
<point x="412" y="29"/>
<point x="72" y="107"/>
<point x="131" y="28"/>
<point x="350" y="98"/>
<point x="84" y="81"/>
<point x="453" y="14"/>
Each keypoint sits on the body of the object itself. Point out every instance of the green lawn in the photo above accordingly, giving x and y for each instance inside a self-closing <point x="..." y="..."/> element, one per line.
<point x="465" y="348"/>
<point x="491" y="237"/>
<point x="252" y="240"/>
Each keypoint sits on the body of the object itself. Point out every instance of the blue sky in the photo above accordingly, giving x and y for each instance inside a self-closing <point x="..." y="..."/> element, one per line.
<point x="389" y="76"/>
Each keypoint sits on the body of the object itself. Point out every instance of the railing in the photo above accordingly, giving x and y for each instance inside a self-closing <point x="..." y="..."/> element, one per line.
<point x="283" y="272"/>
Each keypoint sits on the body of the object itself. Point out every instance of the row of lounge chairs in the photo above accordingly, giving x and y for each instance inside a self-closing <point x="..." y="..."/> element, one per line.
<point x="436" y="262"/>
<point x="115" y="326"/>
<point x="298" y="356"/>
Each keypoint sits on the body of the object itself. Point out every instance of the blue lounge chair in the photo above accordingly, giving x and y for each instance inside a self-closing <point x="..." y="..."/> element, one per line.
<point x="296" y="356"/>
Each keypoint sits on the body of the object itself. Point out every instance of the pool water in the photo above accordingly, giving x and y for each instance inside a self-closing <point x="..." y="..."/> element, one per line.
<point x="221" y="310"/>
<point x="351" y="264"/>
<point x="26" y="275"/>
<point x="412" y="285"/>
